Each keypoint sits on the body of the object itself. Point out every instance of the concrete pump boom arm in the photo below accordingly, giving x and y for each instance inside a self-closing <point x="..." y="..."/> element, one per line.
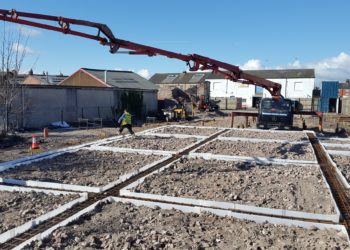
<point x="106" y="37"/>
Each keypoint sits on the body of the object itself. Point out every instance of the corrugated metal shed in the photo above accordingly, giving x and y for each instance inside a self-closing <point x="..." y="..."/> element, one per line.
<point x="329" y="89"/>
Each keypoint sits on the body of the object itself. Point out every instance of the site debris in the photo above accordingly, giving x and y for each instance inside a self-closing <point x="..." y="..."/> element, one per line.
<point x="125" y="226"/>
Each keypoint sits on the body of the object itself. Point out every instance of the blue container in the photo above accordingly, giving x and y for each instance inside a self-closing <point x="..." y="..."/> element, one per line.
<point x="329" y="90"/>
<point x="324" y="104"/>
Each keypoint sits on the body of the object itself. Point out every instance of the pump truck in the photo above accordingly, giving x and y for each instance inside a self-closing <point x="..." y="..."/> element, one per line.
<point x="271" y="111"/>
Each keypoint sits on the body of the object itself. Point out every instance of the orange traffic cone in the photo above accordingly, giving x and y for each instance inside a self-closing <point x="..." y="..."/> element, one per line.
<point x="35" y="145"/>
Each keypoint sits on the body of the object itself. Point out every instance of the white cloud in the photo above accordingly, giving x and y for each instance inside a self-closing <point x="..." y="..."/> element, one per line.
<point x="333" y="68"/>
<point x="252" y="64"/>
<point x="144" y="73"/>
<point x="20" y="48"/>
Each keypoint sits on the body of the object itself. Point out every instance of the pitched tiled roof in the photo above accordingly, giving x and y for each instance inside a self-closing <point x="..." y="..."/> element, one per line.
<point x="200" y="77"/>
<point x="122" y="79"/>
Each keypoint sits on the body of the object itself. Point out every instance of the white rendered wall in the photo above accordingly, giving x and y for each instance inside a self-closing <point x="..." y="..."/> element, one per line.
<point x="294" y="88"/>
<point x="291" y="88"/>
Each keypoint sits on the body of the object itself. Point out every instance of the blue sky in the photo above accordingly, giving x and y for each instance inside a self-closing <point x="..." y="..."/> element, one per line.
<point x="252" y="34"/>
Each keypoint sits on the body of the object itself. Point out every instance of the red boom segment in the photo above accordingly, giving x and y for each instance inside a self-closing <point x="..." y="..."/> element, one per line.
<point x="198" y="62"/>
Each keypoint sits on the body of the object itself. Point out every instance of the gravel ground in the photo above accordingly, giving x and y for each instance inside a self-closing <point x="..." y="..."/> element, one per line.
<point x="281" y="187"/>
<point x="153" y="142"/>
<point x="17" y="208"/>
<point x="188" y="131"/>
<point x="291" y="136"/>
<point x="124" y="226"/>
<point x="260" y="149"/>
<point x="85" y="167"/>
<point x="343" y="163"/>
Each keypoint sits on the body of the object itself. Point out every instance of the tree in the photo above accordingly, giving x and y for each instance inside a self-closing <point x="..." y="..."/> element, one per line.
<point x="12" y="52"/>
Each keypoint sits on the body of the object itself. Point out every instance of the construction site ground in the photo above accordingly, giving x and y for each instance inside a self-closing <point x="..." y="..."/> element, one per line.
<point x="282" y="187"/>
<point x="20" y="207"/>
<point x="284" y="201"/>
<point x="125" y="226"/>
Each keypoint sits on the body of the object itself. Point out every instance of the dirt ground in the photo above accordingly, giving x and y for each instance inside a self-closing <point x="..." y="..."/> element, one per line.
<point x="125" y="226"/>
<point x="153" y="142"/>
<point x="59" y="138"/>
<point x="343" y="163"/>
<point x="84" y="167"/>
<point x="260" y="149"/>
<point x="18" y="146"/>
<point x="273" y="186"/>
<point x="17" y="208"/>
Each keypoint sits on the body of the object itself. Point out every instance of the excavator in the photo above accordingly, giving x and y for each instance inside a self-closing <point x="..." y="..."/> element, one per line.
<point x="274" y="111"/>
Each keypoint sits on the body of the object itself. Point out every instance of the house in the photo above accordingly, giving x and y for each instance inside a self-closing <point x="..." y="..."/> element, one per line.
<point x="296" y="83"/>
<point x="42" y="79"/>
<point x="344" y="89"/>
<point x="193" y="83"/>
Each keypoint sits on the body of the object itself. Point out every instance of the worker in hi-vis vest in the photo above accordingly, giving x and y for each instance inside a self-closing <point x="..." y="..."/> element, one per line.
<point x="125" y="122"/>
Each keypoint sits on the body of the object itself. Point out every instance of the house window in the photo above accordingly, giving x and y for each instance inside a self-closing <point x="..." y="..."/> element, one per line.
<point x="216" y="85"/>
<point x="298" y="86"/>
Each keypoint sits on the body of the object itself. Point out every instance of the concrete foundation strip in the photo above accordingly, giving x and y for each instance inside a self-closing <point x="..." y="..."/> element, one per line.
<point x="180" y="136"/>
<point x="32" y="223"/>
<point x="334" y="145"/>
<point x="337" y="152"/>
<point x="268" y="131"/>
<point x="103" y="147"/>
<point x="81" y="188"/>
<point x="131" y="150"/>
<point x="209" y="156"/>
<point x="333" y="138"/>
<point x="337" y="170"/>
<point x="199" y="127"/>
<point x="222" y="138"/>
<point x="231" y="205"/>
<point x="187" y="209"/>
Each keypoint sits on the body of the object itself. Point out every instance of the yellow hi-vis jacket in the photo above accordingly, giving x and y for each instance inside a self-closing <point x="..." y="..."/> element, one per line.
<point x="126" y="118"/>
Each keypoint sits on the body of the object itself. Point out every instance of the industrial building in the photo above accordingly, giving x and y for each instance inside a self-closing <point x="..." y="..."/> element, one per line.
<point x="71" y="99"/>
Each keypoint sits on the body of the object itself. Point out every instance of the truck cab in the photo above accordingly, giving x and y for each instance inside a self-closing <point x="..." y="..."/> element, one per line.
<point x="275" y="112"/>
